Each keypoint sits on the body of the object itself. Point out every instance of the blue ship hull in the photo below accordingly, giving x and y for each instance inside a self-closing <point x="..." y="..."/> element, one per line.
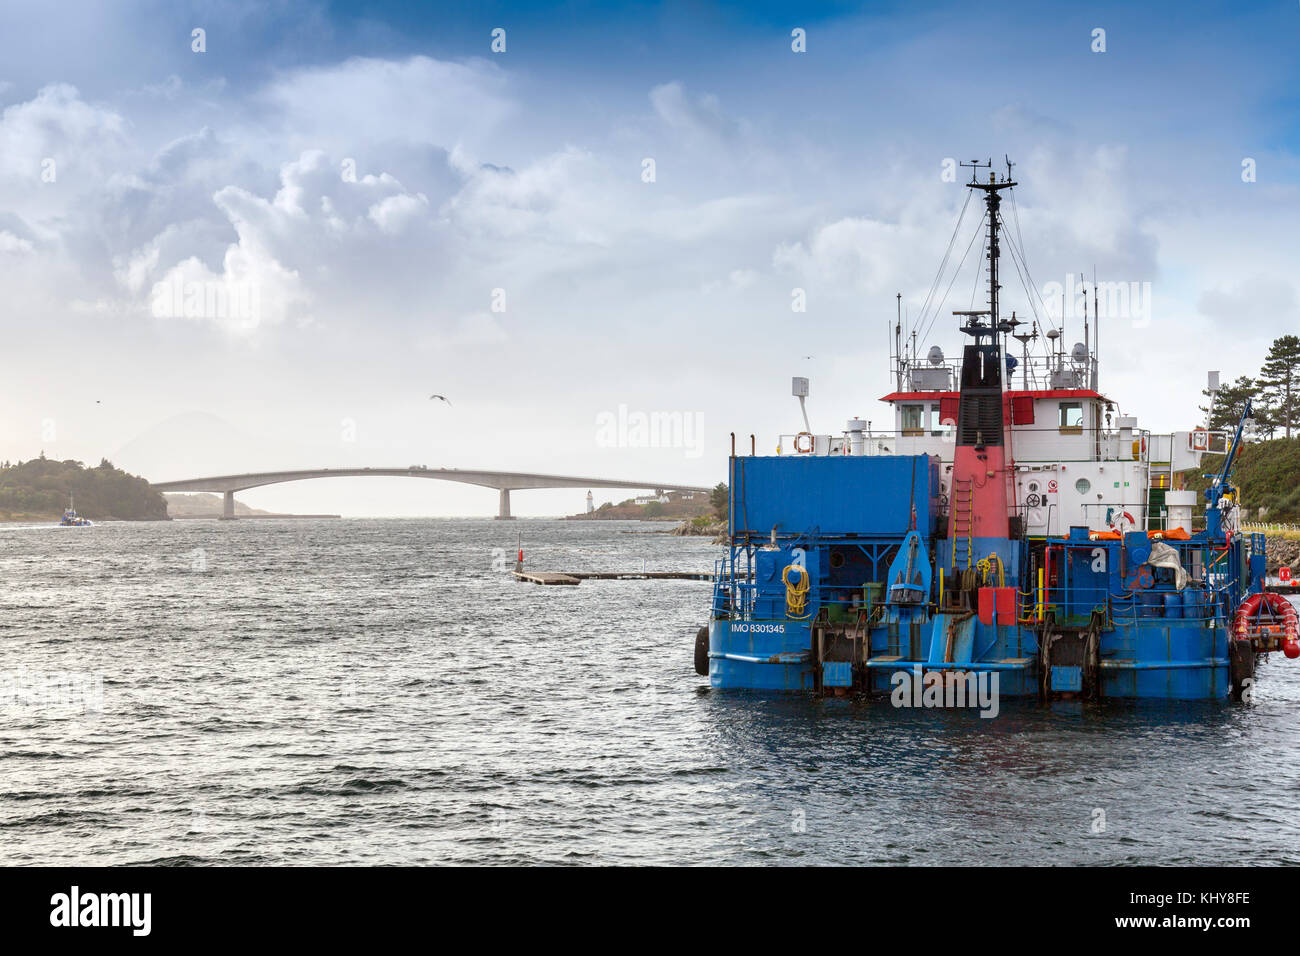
<point x="1146" y="659"/>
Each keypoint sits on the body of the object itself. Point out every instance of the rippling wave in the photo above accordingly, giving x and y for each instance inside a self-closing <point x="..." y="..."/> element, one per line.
<point x="383" y="692"/>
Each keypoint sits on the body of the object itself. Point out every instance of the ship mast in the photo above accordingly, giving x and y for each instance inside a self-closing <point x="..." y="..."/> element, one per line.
<point x="992" y="202"/>
<point x="979" y="517"/>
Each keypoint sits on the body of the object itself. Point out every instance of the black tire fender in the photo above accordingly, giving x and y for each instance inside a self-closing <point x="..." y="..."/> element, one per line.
<point x="702" y="652"/>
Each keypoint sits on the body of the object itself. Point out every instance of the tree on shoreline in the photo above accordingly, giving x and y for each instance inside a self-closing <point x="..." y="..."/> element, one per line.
<point x="44" y="486"/>
<point x="1279" y="381"/>
<point x="720" y="500"/>
<point x="1224" y="407"/>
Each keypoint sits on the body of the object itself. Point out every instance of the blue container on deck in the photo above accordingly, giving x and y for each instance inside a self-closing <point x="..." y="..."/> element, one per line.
<point x="860" y="495"/>
<point x="1150" y="604"/>
<point x="1194" y="604"/>
<point x="1173" y="604"/>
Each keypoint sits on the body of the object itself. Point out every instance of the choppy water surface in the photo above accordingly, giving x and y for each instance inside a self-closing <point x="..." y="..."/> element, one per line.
<point x="335" y="692"/>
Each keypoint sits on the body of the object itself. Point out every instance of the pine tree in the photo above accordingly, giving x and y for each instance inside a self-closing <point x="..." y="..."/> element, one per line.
<point x="1279" y="380"/>
<point x="720" y="500"/>
<point x="1230" y="401"/>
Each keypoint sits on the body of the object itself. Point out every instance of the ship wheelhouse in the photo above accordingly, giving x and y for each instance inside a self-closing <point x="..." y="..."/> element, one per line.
<point x="1072" y="459"/>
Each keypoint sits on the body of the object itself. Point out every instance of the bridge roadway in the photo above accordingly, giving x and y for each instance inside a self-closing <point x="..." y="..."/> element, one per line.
<point x="504" y="481"/>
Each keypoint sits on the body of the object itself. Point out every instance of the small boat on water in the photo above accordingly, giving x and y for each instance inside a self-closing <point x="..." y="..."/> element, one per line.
<point x="71" y="519"/>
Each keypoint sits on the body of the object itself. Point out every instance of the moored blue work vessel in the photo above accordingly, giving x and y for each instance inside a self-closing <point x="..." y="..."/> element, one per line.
<point x="1032" y="532"/>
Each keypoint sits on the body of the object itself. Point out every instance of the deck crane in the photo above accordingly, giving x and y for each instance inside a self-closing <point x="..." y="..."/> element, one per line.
<point x="1219" y="489"/>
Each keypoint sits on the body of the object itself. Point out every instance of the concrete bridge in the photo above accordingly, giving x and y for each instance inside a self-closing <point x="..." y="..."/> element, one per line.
<point x="504" y="481"/>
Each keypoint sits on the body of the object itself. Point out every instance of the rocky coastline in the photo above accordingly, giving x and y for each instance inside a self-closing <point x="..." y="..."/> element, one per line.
<point x="703" y="527"/>
<point x="1282" y="551"/>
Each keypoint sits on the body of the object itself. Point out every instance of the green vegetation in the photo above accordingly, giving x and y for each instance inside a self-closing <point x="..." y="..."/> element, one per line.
<point x="720" y="500"/>
<point x="1268" y="474"/>
<point x="1267" y="471"/>
<point x="1279" y="380"/>
<point x="41" y="488"/>
<point x="678" y="506"/>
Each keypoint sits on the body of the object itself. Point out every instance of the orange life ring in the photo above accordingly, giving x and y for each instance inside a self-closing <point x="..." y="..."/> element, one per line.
<point x="811" y="443"/>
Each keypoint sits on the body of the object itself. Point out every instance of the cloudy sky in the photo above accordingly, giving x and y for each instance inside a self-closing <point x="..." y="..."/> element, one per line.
<point x="374" y="205"/>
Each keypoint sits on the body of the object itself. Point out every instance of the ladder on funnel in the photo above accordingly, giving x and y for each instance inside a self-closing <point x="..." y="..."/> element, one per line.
<point x="963" y="496"/>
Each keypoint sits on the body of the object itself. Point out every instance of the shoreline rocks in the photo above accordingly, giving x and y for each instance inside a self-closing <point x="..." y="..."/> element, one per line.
<point x="699" y="528"/>
<point x="1282" y="551"/>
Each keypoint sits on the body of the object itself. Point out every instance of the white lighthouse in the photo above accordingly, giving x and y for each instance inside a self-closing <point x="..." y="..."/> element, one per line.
<point x="591" y="504"/>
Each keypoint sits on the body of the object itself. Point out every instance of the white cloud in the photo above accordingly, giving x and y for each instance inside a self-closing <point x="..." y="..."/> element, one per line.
<point x="365" y="100"/>
<point x="1259" y="299"/>
<point x="392" y="213"/>
<point x="561" y="197"/>
<point x="11" y="243"/>
<point x="698" y="117"/>
<point x="293" y="251"/>
<point x="57" y="123"/>
<point x="472" y="330"/>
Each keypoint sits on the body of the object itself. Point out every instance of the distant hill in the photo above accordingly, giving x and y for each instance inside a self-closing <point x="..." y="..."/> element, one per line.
<point x="677" y="506"/>
<point x="1268" y="474"/>
<point x="41" y="488"/>
<point x="205" y="505"/>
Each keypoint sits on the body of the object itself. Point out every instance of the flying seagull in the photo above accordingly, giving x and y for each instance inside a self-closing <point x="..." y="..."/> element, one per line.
<point x="441" y="398"/>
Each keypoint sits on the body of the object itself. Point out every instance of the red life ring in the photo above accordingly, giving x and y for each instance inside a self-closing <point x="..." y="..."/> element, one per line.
<point x="811" y="443"/>
<point x="1114" y="524"/>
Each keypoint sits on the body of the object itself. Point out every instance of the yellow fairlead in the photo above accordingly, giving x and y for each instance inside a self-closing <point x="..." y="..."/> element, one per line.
<point x="796" y="595"/>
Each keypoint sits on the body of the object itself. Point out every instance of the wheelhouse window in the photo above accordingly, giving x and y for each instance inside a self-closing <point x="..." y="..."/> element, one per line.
<point x="1071" y="418"/>
<point x="937" y="428"/>
<point x="913" y="419"/>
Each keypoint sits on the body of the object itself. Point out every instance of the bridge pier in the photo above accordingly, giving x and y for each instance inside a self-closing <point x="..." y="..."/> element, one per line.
<point x="503" y="512"/>
<point x="228" y="506"/>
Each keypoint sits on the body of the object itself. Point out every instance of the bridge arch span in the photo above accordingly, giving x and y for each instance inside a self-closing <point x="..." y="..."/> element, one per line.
<point x="504" y="481"/>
